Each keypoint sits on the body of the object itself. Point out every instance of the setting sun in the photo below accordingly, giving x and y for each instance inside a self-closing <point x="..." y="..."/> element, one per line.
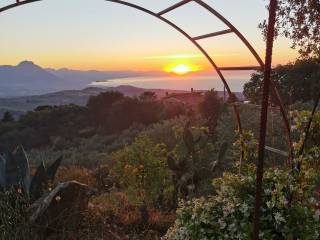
<point x="181" y="69"/>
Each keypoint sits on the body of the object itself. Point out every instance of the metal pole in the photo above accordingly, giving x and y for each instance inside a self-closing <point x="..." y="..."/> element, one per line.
<point x="264" y="117"/>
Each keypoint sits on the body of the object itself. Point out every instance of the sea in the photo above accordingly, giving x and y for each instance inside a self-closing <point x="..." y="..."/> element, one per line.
<point x="176" y="83"/>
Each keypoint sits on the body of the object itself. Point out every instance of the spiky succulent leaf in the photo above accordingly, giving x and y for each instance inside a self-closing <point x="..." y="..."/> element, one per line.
<point x="12" y="176"/>
<point x="23" y="166"/>
<point x="39" y="182"/>
<point x="52" y="170"/>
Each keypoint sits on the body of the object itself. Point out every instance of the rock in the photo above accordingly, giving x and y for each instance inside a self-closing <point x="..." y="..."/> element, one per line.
<point x="60" y="208"/>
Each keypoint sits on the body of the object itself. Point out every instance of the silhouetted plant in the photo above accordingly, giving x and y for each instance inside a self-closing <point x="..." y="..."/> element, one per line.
<point x="15" y="173"/>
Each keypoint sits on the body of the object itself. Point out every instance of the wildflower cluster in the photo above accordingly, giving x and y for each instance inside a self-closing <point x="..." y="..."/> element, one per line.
<point x="289" y="209"/>
<point x="291" y="197"/>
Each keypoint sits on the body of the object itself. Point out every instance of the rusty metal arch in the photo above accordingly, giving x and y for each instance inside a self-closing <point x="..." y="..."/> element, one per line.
<point x="194" y="41"/>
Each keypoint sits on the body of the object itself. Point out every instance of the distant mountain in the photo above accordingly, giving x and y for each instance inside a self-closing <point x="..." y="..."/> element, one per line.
<point x="94" y="76"/>
<point x="28" y="79"/>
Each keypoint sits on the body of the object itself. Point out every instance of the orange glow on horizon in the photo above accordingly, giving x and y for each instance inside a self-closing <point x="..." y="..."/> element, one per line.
<point x="140" y="62"/>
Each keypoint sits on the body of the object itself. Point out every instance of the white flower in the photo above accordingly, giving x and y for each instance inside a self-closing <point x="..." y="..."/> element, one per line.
<point x="316" y="215"/>
<point x="268" y="191"/>
<point x="269" y="204"/>
<point x="279" y="218"/>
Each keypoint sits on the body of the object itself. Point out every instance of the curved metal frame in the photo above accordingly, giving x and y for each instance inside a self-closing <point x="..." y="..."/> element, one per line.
<point x="194" y="40"/>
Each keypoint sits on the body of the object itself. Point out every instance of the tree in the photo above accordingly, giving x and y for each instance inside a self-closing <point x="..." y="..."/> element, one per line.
<point x="210" y="109"/>
<point x="122" y="114"/>
<point x="7" y="117"/>
<point x="148" y="96"/>
<point x="299" y="20"/>
<point x="37" y="128"/>
<point x="298" y="81"/>
<point x="211" y="105"/>
<point x="99" y="106"/>
<point x="133" y="110"/>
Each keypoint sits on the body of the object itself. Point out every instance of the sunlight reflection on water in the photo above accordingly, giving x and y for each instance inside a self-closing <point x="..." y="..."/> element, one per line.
<point x="176" y="83"/>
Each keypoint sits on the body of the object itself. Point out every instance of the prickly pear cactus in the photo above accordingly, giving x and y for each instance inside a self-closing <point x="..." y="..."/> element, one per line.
<point x="188" y="139"/>
<point x="188" y="167"/>
<point x="221" y="156"/>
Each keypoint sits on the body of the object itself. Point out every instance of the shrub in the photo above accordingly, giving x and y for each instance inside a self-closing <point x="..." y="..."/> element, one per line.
<point x="141" y="170"/>
<point x="291" y="197"/>
<point x="288" y="211"/>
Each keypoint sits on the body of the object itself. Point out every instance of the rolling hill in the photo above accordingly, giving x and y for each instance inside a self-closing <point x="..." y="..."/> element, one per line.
<point x="19" y="105"/>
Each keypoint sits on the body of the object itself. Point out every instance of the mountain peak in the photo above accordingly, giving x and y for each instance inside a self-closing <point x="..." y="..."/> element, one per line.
<point x="26" y="63"/>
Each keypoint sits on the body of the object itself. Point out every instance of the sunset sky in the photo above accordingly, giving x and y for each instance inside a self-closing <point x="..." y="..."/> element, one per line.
<point x="94" y="34"/>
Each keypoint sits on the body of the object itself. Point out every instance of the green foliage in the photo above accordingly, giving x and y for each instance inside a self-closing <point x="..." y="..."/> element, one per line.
<point x="135" y="111"/>
<point x="62" y="126"/>
<point x="299" y="21"/>
<point x="107" y="110"/>
<point x="276" y="134"/>
<point x="193" y="162"/>
<point x="165" y="131"/>
<point x="248" y="144"/>
<point x="211" y="105"/>
<point x="291" y="197"/>
<point x="37" y="128"/>
<point x="299" y="123"/>
<point x="141" y="170"/>
<point x="287" y="213"/>
<point x="211" y="108"/>
<point x="298" y="81"/>
<point x="99" y="106"/>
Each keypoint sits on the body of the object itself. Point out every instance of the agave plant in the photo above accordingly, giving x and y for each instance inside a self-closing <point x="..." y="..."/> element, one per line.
<point x="15" y="172"/>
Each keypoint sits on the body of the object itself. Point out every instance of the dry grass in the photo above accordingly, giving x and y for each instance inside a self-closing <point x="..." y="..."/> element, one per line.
<point x="76" y="173"/>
